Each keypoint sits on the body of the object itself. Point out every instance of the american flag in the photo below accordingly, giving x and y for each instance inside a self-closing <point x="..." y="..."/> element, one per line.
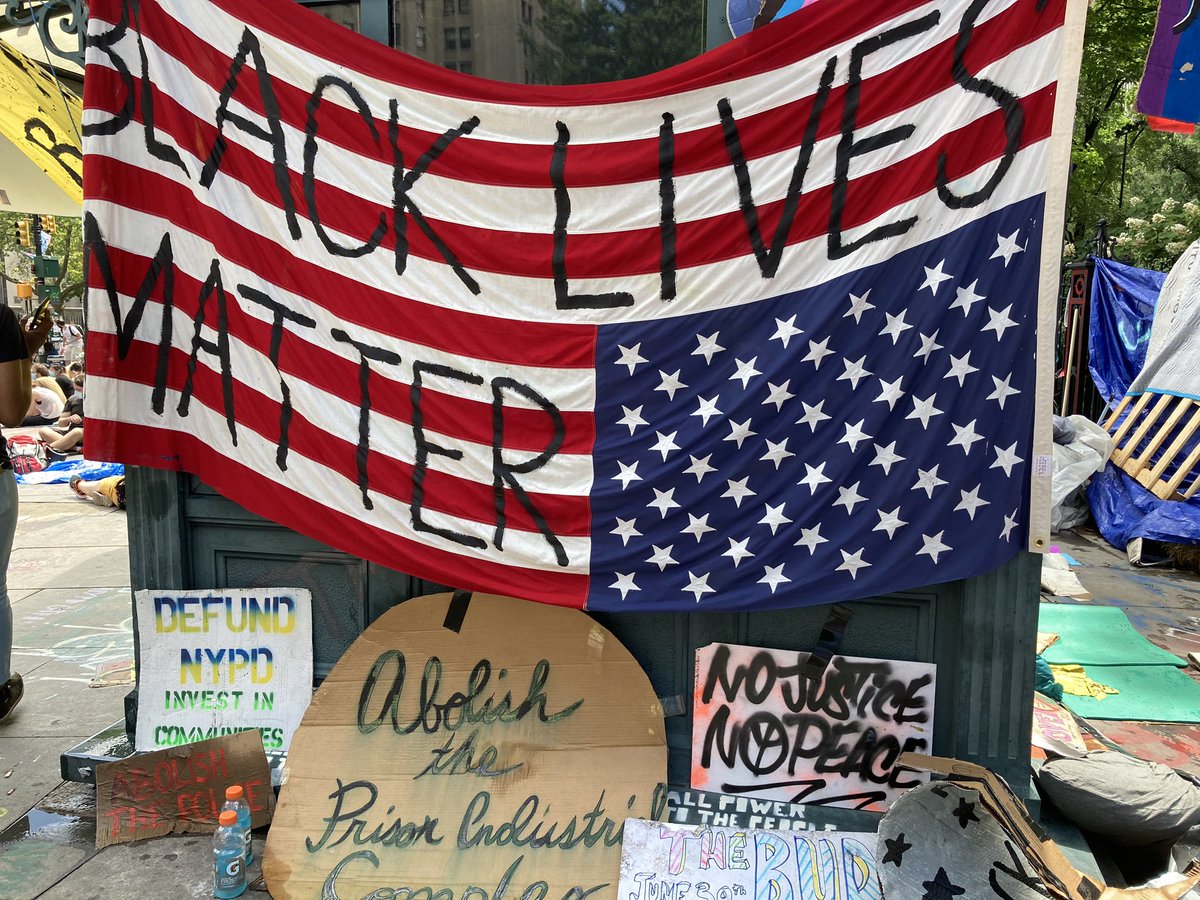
<point x="757" y="331"/>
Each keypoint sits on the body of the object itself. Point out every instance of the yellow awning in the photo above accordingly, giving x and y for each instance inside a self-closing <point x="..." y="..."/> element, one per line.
<point x="41" y="160"/>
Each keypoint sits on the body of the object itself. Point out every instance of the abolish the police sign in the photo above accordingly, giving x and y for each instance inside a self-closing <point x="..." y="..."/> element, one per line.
<point x="219" y="662"/>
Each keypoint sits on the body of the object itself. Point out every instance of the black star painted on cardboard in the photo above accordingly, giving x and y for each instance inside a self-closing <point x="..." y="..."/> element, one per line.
<point x="940" y="791"/>
<point x="965" y="812"/>
<point x="896" y="848"/>
<point x="941" y="888"/>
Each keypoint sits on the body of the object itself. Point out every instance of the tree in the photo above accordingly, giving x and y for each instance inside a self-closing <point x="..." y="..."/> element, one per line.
<point x="67" y="244"/>
<point x="585" y="41"/>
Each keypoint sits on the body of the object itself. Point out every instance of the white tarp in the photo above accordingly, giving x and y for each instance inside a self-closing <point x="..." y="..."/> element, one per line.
<point x="1173" y="355"/>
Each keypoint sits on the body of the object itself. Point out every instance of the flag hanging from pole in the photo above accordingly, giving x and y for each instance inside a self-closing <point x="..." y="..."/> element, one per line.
<point x="756" y="331"/>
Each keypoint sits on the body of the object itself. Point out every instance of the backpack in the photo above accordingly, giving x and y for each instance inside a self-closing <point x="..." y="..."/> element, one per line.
<point x="27" y="453"/>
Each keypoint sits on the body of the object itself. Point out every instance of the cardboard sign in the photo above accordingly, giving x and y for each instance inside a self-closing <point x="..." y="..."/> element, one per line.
<point x="481" y="749"/>
<point x="763" y="725"/>
<point x="1054" y="727"/>
<point x="722" y="810"/>
<point x="180" y="789"/>
<point x="679" y="862"/>
<point x="216" y="663"/>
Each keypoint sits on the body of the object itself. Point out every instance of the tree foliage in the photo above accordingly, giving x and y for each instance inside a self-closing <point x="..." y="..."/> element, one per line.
<point x="1111" y="140"/>
<point x="67" y="244"/>
<point x="586" y="41"/>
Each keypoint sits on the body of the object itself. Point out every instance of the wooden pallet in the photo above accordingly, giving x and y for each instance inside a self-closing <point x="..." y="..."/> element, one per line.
<point x="1154" y="421"/>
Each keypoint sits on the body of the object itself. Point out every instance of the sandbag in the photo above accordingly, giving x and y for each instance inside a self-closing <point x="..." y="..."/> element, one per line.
<point x="1132" y="801"/>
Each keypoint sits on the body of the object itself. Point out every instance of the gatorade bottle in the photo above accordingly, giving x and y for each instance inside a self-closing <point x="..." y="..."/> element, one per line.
<point x="235" y="799"/>
<point x="229" y="862"/>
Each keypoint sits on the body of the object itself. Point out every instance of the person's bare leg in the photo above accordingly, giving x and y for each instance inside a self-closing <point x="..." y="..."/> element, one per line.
<point x="65" y="442"/>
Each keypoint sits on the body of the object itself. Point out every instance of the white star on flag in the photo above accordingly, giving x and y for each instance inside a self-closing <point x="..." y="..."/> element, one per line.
<point x="895" y="326"/>
<point x="971" y="501"/>
<point x="773" y="577"/>
<point x="699" y="467"/>
<point x="889" y="522"/>
<point x="934" y="278"/>
<point x="774" y="517"/>
<point x="707" y="346"/>
<point x="670" y="383"/>
<point x="778" y="395"/>
<point x="854" y="435"/>
<point x="1010" y="522"/>
<point x="777" y="452"/>
<point x="627" y="474"/>
<point x="665" y="443"/>
<point x="810" y="538"/>
<point x="858" y="306"/>
<point x="889" y="392"/>
<point x="933" y="546"/>
<point x="662" y="557"/>
<point x="924" y="410"/>
<point x="698" y="585"/>
<point x="624" y="584"/>
<point x="929" y="345"/>
<point x="626" y="529"/>
<point x="738" y="432"/>
<point x="1007" y="247"/>
<point x="813" y="415"/>
<point x="632" y="418"/>
<point x="849" y="497"/>
<point x="785" y="331"/>
<point x="852" y="562"/>
<point x="999" y="322"/>
<point x="928" y="481"/>
<point x="1006" y="458"/>
<point x="886" y="457"/>
<point x="817" y="351"/>
<point x="745" y="371"/>
<point x="708" y="409"/>
<point x="738" y="490"/>
<point x="854" y="372"/>
<point x="965" y="298"/>
<point x="698" y="526"/>
<point x="960" y="367"/>
<point x="965" y="436"/>
<point x="1002" y="391"/>
<point x="663" y="501"/>
<point x="814" y="477"/>
<point x="630" y="357"/>
<point x="737" y="551"/>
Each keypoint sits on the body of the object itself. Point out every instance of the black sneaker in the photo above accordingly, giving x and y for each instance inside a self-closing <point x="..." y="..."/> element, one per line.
<point x="11" y="693"/>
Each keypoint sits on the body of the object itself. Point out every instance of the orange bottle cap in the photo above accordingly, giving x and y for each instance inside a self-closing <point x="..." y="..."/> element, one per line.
<point x="229" y="817"/>
<point x="233" y="792"/>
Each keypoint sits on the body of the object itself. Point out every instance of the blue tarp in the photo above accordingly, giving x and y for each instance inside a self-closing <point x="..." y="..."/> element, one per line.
<point x="60" y="472"/>
<point x="1125" y="510"/>
<point x="1122" y="302"/>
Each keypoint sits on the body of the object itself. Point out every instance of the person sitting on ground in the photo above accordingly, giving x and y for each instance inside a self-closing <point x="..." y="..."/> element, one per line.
<point x="45" y="405"/>
<point x="59" y="374"/>
<point x="66" y="434"/>
<point x="108" y="491"/>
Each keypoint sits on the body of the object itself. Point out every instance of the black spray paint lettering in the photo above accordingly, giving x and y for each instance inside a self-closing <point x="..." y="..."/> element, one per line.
<point x="272" y="135"/>
<point x="35" y="128"/>
<point x="161" y="268"/>
<point x="460" y="708"/>
<point x="849" y="147"/>
<point x="425" y="447"/>
<point x="366" y="354"/>
<point x="159" y="150"/>
<point x="563" y="298"/>
<point x="324" y="83"/>
<point x="219" y="348"/>
<point x="279" y="313"/>
<point x="666" y="200"/>
<point x="769" y="257"/>
<point x="1014" y="117"/>
<point x="104" y="42"/>
<point x="348" y="819"/>
<point x="403" y="204"/>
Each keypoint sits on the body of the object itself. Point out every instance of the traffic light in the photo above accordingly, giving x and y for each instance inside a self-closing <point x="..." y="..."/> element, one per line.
<point x="48" y="224"/>
<point x="23" y="234"/>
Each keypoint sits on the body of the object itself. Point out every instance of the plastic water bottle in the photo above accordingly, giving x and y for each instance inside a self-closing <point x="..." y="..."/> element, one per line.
<point x="229" y="858"/>
<point x="235" y="799"/>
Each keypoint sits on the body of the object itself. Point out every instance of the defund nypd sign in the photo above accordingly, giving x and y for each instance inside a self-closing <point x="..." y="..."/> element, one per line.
<point x="214" y="663"/>
<point x="469" y="748"/>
